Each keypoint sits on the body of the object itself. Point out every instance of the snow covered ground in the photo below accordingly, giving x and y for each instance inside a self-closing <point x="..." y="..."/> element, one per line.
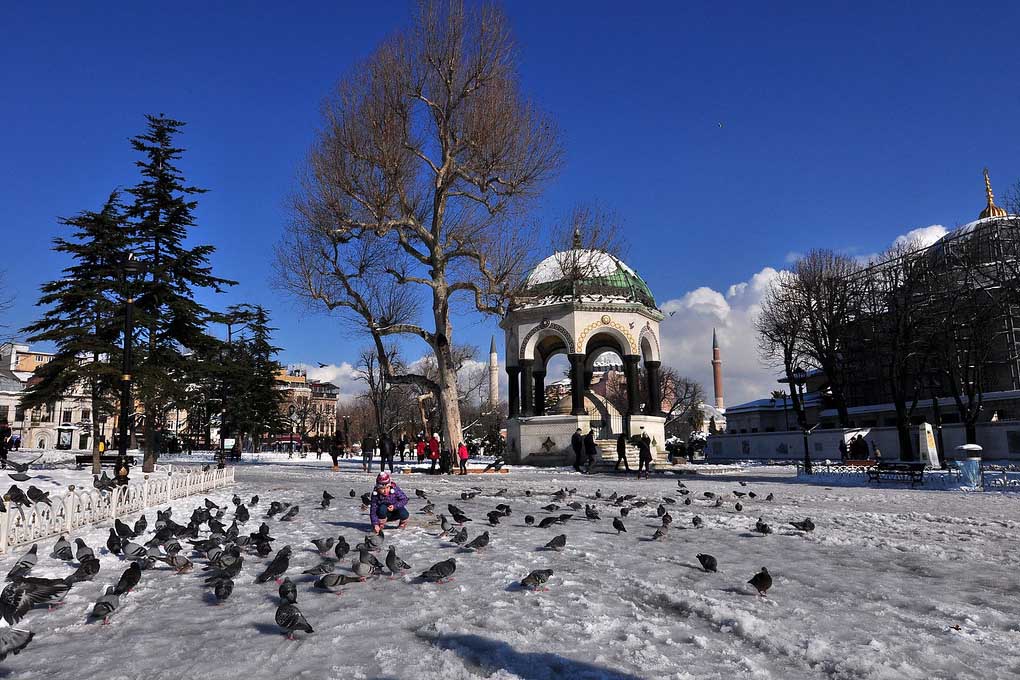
<point x="894" y="583"/>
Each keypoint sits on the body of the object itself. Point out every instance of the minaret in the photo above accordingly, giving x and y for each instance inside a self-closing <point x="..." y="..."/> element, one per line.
<point x="717" y="372"/>
<point x="493" y="376"/>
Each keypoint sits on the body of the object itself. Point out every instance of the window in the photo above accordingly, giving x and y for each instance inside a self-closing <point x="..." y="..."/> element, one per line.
<point x="86" y="415"/>
<point x="19" y="414"/>
<point x="4" y="413"/>
<point x="66" y="416"/>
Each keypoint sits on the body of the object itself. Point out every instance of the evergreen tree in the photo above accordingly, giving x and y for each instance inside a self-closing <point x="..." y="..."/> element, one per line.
<point x="171" y="321"/>
<point x="85" y="316"/>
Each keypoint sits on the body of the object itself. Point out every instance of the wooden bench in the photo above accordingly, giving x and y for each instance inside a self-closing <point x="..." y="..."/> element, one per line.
<point x="82" y="460"/>
<point x="900" y="472"/>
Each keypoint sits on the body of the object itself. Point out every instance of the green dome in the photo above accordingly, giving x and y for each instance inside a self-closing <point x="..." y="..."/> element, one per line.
<point x="592" y="274"/>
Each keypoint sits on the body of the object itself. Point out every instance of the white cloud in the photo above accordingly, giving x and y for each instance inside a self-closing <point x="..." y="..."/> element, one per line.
<point x="341" y="375"/>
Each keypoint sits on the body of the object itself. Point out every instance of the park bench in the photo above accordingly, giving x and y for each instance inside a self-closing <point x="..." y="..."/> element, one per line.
<point x="899" y="472"/>
<point x="82" y="460"/>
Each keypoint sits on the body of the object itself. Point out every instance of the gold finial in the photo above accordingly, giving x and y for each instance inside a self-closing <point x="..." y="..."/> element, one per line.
<point x="991" y="210"/>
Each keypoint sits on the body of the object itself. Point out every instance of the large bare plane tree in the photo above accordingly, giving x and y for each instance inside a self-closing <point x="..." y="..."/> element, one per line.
<point x="414" y="196"/>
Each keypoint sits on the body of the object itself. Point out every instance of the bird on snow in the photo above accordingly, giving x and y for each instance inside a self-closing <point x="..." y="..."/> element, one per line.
<point x="123" y="530"/>
<point x="552" y="507"/>
<point x="86" y="571"/>
<point x="363" y="569"/>
<point x="708" y="563"/>
<point x="440" y="571"/>
<point x="290" y="618"/>
<point x="210" y="505"/>
<point x="276" y="568"/>
<point x="342" y="548"/>
<point x="761" y="581"/>
<point x="13" y="640"/>
<point x="557" y="543"/>
<point x="394" y="563"/>
<point x="141" y="525"/>
<point x="762" y="528"/>
<point x="661" y="510"/>
<point x="288" y="591"/>
<point x="241" y="514"/>
<point x="667" y="519"/>
<point x="331" y="581"/>
<point x="417" y="492"/>
<point x="106" y="605"/>
<point x="547" y="522"/>
<point x="114" y="543"/>
<point x="659" y="534"/>
<point x="739" y="494"/>
<point x="591" y="513"/>
<point x="254" y="501"/>
<point x="129" y="579"/>
<point x="770" y="498"/>
<point x="697" y="521"/>
<point x="223" y="588"/>
<point x="461" y="536"/>
<point x="529" y="520"/>
<point x="17" y="598"/>
<point x="478" y="542"/>
<point x="180" y="563"/>
<point x="687" y="501"/>
<point x="738" y="507"/>
<point x="326" y="499"/>
<point x="429" y="508"/>
<point x="494" y="517"/>
<point x="751" y="494"/>
<point x="24" y="564"/>
<point x="62" y="549"/>
<point x="618" y="525"/>
<point x="290" y="514"/>
<point x="536" y="579"/>
<point x="368" y="558"/>
<point x="806" y="525"/>
<point x="83" y="550"/>
<point x="327" y="566"/>
<point x="323" y="545"/>
<point x="624" y="512"/>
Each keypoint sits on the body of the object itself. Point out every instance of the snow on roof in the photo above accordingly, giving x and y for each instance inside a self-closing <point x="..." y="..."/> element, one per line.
<point x="596" y="263"/>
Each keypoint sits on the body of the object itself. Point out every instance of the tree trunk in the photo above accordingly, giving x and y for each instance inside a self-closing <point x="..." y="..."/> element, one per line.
<point x="96" y="432"/>
<point x="970" y="426"/>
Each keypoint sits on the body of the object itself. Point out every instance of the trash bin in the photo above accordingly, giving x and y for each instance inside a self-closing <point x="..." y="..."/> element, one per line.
<point x="970" y="472"/>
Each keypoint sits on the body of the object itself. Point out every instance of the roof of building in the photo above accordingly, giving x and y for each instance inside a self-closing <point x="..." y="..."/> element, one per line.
<point x="586" y="273"/>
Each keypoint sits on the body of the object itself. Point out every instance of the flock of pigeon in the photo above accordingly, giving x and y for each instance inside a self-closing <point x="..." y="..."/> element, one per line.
<point x="223" y="548"/>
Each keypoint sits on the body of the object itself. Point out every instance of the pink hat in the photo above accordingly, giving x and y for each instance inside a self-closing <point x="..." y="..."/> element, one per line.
<point x="383" y="479"/>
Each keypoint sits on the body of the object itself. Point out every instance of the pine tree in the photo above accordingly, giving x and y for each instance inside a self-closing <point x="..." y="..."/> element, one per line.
<point x="85" y="316"/>
<point x="171" y="321"/>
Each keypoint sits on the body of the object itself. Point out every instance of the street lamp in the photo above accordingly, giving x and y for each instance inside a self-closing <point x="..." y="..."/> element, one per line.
<point x="781" y="394"/>
<point x="129" y="267"/>
<point x="799" y="379"/>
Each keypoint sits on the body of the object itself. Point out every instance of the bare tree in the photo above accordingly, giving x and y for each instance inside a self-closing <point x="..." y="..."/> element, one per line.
<point x="683" y="398"/>
<point x="415" y="191"/>
<point x="779" y="325"/>
<point x="383" y="395"/>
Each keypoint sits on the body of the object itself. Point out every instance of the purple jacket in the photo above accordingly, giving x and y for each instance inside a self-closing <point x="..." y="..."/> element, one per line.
<point x="396" y="497"/>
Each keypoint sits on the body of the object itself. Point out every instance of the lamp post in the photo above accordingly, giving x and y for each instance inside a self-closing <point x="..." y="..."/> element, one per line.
<point x="781" y="394"/>
<point x="129" y="267"/>
<point x="799" y="378"/>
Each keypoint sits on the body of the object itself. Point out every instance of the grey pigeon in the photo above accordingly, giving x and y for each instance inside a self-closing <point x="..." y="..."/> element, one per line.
<point x="440" y="571"/>
<point x="738" y="507"/>
<point x="363" y="569"/>
<point x="17" y="598"/>
<point x="770" y="498"/>
<point x="86" y="571"/>
<point x="224" y="587"/>
<point x="536" y="579"/>
<point x="140" y="526"/>
<point x="323" y="545"/>
<point x="761" y="581"/>
<point x="180" y="563"/>
<point x="341" y="548"/>
<point x="591" y="513"/>
<point x="529" y="520"/>
<point x="444" y="524"/>
<point x="331" y="581"/>
<point x="806" y="525"/>
<point x="659" y="534"/>
<point x="13" y="640"/>
<point x="323" y="567"/>
<point x="18" y="497"/>
<point x="254" y="501"/>
<point x="290" y="618"/>
<point x="129" y="579"/>
<point x="618" y="525"/>
<point x="547" y="522"/>
<point x="288" y="591"/>
<point x="106" y="605"/>
<point x="83" y="551"/>
<point x="478" y="542"/>
<point x="37" y="495"/>
<point x="708" y="563"/>
<point x="461" y="537"/>
<point x="762" y="528"/>
<point x="557" y="543"/>
<point x="290" y="514"/>
<point x="24" y="564"/>
<point x="369" y="559"/>
<point x="697" y="521"/>
<point x="394" y="563"/>
<point x="276" y="568"/>
<point x="62" y="549"/>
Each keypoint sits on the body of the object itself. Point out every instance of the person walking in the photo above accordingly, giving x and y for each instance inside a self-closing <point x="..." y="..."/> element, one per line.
<point x="590" y="451"/>
<point x="334" y="453"/>
<point x="388" y="503"/>
<point x="644" y="454"/>
<point x="462" y="454"/>
<point x="434" y="453"/>
<point x="405" y="444"/>
<point x="621" y="453"/>
<point x="577" y="444"/>
<point x="386" y="451"/>
<point x="419" y="449"/>
<point x="367" y="452"/>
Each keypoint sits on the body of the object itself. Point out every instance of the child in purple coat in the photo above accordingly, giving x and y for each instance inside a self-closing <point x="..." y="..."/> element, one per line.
<point x="388" y="503"/>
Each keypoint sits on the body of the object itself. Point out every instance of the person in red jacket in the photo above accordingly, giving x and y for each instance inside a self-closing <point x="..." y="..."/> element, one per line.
<point x="434" y="452"/>
<point x="420" y="450"/>
<point x="462" y="454"/>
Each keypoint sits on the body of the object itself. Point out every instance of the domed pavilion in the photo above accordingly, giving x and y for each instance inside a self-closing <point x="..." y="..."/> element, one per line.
<point x="582" y="303"/>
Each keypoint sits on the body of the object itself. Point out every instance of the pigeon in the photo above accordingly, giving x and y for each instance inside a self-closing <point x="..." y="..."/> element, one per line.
<point x="24" y="564"/>
<point x="180" y="563"/>
<point x="460" y="517"/>
<point x="323" y="545"/>
<point x="123" y="530"/>
<point x="375" y="541"/>
<point x="429" y="508"/>
<point x="369" y="559"/>
<point x="326" y="499"/>
<point x="288" y="591"/>
<point x="62" y="549"/>
<point x="770" y="498"/>
<point x="236" y="500"/>
<point x="461" y="536"/>
<point x="276" y="568"/>
<point x="113" y="543"/>
<point x="574" y="505"/>
<point x="137" y="553"/>
<point x="667" y="519"/>
<point x="342" y="548"/>
<point x="18" y="497"/>
<point x="467" y="495"/>
<point x="762" y="528"/>
<point x="591" y="513"/>
<point x="22" y="467"/>
<point x="709" y="494"/>
<point x="129" y="579"/>
<point x="331" y="581"/>
<point x="241" y="514"/>
<point x="17" y="598"/>
<point x="440" y="572"/>
<point x="659" y="534"/>
<point x="738" y="507"/>
<point x="417" y="492"/>
<point x="742" y="483"/>
<point x="529" y="520"/>
<point x="557" y="543"/>
<point x="363" y="569"/>
<point x="210" y="505"/>
<point x="106" y="605"/>
<point x="290" y="618"/>
<point x="536" y="579"/>
<point x="275" y="508"/>
<point x="739" y="494"/>
<point x="13" y="640"/>
<point x="708" y="563"/>
<point x="661" y="510"/>
<point x="394" y="563"/>
<point x="618" y="525"/>
<point x="290" y="514"/>
<point x="751" y="494"/>
<point x="687" y="501"/>
<point x="224" y="587"/>
<point x="37" y="495"/>
<point x="323" y="567"/>
<point x="761" y="581"/>
<point x="806" y="525"/>
<point x="478" y="542"/>
<point x="552" y="507"/>
<point x="86" y="571"/>
<point x="624" y="512"/>
<point x="83" y="550"/>
<point x="141" y="525"/>
<point x="254" y="501"/>
<point x="494" y="517"/>
<point x="697" y="522"/>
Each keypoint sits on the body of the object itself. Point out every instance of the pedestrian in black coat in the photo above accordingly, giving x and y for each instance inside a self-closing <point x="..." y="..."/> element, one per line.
<point x="621" y="453"/>
<point x="386" y="451"/>
<point x="577" y="444"/>
<point x="590" y="450"/>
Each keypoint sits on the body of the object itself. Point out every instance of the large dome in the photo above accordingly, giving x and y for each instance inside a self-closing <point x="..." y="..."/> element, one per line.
<point x="593" y="275"/>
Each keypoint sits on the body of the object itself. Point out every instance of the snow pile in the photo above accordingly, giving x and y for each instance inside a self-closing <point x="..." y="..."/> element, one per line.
<point x="893" y="584"/>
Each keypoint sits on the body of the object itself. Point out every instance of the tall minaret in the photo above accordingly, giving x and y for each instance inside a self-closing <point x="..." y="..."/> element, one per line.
<point x="717" y="372"/>
<point x="493" y="375"/>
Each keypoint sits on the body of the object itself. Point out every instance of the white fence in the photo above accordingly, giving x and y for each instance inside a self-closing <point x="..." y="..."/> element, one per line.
<point x="83" y="507"/>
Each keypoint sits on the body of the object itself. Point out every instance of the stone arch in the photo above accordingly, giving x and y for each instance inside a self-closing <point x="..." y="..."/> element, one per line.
<point x="542" y="330"/>
<point x="648" y="344"/>
<point x="607" y="326"/>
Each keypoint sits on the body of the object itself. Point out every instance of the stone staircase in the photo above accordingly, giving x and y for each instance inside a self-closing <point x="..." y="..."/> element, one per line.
<point x="606" y="460"/>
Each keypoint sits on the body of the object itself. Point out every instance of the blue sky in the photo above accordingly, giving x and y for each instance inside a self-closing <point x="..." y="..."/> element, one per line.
<point x="724" y="135"/>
